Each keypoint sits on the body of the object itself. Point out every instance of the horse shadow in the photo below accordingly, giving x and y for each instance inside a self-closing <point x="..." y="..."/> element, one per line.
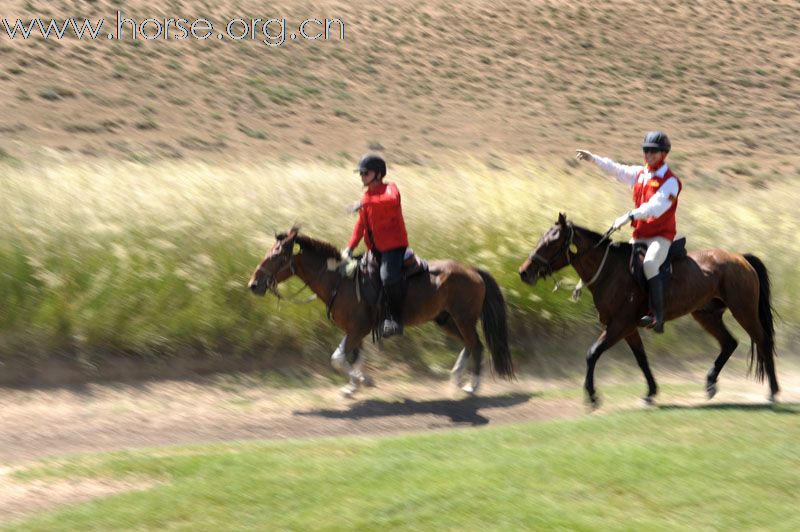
<point x="459" y="411"/>
<point x="778" y="408"/>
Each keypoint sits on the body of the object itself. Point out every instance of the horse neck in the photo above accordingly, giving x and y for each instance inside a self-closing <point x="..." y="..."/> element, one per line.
<point x="589" y="258"/>
<point x="313" y="270"/>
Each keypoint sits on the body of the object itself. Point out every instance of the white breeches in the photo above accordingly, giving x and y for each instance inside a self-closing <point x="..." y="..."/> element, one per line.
<point x="657" y="249"/>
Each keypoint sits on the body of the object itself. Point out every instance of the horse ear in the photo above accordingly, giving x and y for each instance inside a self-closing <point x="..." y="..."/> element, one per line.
<point x="293" y="232"/>
<point x="562" y="218"/>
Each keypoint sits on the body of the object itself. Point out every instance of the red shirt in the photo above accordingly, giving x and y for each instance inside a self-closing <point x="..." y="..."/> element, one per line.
<point x="382" y="216"/>
<point x="664" y="225"/>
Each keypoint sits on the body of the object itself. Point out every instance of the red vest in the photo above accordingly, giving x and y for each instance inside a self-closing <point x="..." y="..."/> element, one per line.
<point x="664" y="225"/>
<point x="380" y="219"/>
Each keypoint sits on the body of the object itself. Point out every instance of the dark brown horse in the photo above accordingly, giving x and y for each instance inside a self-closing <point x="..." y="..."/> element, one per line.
<point x="453" y="295"/>
<point x="704" y="283"/>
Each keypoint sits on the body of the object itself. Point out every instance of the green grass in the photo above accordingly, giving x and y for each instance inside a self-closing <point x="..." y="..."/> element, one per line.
<point x="718" y="467"/>
<point x="152" y="260"/>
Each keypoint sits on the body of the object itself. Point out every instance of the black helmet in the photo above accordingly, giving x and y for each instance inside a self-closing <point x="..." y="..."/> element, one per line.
<point x="372" y="162"/>
<point x="657" y="139"/>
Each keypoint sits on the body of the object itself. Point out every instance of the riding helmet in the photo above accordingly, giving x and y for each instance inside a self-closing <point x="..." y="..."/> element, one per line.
<point x="372" y="162"/>
<point x="657" y="139"/>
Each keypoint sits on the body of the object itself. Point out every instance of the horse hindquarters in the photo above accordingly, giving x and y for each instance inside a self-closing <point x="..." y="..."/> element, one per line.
<point x="748" y="296"/>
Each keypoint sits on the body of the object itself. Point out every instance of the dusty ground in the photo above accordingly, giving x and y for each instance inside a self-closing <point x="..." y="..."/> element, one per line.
<point x="35" y="424"/>
<point x="418" y="80"/>
<point x="41" y="423"/>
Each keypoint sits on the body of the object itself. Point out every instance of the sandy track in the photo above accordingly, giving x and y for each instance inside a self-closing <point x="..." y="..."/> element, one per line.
<point x="41" y="423"/>
<point x="36" y="424"/>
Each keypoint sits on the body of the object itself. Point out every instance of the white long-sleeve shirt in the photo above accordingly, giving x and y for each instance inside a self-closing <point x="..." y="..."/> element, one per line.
<point x="660" y="202"/>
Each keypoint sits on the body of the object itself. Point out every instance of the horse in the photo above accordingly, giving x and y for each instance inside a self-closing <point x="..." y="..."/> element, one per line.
<point x="704" y="283"/>
<point x="453" y="295"/>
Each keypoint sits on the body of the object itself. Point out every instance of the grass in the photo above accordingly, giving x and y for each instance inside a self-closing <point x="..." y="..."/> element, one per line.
<point x="725" y="466"/>
<point x="153" y="260"/>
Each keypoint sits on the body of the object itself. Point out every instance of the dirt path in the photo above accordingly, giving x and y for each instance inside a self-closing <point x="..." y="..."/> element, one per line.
<point x="36" y="424"/>
<point x="40" y="423"/>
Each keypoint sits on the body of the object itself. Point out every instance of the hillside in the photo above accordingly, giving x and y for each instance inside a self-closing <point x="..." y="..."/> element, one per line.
<point x="421" y="80"/>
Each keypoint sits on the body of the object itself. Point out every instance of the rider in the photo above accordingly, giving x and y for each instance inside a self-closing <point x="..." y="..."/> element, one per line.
<point x="655" y="196"/>
<point x="380" y="223"/>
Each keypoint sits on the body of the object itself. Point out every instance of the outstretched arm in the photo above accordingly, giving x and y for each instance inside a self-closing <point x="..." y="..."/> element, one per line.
<point x="624" y="173"/>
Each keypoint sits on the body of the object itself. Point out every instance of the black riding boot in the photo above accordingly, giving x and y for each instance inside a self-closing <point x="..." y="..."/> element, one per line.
<point x="655" y="319"/>
<point x="393" y="324"/>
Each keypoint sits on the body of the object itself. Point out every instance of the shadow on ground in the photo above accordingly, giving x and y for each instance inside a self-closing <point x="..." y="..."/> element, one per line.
<point x="459" y="411"/>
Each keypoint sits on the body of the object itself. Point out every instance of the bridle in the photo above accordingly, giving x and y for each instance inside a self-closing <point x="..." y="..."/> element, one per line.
<point x="547" y="265"/>
<point x="272" y="284"/>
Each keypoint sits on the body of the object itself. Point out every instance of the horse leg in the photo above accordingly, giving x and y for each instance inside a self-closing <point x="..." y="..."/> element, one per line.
<point x="592" y="356"/>
<point x="747" y="316"/>
<point x="710" y="318"/>
<point x="358" y="373"/>
<point x="446" y="322"/>
<point x="474" y="347"/>
<point x="613" y="334"/>
<point x="342" y="362"/>
<point x="634" y="341"/>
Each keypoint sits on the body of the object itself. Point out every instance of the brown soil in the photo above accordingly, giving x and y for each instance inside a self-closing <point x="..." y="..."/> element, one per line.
<point x="419" y="80"/>
<point x="41" y="423"/>
<point x="36" y="424"/>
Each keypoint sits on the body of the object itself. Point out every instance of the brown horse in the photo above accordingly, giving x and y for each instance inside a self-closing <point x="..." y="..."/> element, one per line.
<point x="453" y="295"/>
<point x="704" y="284"/>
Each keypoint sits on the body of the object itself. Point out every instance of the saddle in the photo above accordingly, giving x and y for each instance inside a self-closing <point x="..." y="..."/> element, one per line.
<point x="370" y="266"/>
<point x="370" y="289"/>
<point x="366" y="271"/>
<point x="676" y="251"/>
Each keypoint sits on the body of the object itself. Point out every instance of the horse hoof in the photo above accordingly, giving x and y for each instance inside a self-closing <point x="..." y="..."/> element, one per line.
<point x="367" y="381"/>
<point x="711" y="390"/>
<point x="470" y="389"/>
<point x="773" y="398"/>
<point x="348" y="390"/>
<point x="593" y="401"/>
<point x="648" y="400"/>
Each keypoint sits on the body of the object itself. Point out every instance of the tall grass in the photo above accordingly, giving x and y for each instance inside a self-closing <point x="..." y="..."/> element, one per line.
<point x="124" y="258"/>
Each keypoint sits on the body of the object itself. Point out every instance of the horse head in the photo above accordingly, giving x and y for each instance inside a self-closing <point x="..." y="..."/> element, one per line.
<point x="551" y="252"/>
<point x="277" y="265"/>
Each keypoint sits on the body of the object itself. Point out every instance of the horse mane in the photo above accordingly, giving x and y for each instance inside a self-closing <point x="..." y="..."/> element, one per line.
<point x="317" y="246"/>
<point x="595" y="237"/>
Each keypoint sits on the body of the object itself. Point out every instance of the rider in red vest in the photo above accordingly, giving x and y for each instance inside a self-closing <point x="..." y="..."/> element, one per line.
<point x="655" y="197"/>
<point x="381" y="225"/>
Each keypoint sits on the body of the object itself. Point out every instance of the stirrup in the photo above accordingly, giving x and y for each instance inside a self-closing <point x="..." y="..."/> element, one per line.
<point x="650" y="322"/>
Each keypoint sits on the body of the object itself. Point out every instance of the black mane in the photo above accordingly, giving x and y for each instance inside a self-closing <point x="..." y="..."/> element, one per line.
<point x="595" y="237"/>
<point x="317" y="246"/>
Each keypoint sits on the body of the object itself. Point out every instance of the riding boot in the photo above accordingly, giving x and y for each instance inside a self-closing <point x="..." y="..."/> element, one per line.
<point x="655" y="319"/>
<point x="393" y="324"/>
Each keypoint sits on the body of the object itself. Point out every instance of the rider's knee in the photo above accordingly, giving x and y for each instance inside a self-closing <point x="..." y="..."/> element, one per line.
<point x="651" y="268"/>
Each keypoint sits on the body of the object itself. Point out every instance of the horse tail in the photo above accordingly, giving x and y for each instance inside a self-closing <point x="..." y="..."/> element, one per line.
<point x="495" y="328"/>
<point x="765" y="316"/>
